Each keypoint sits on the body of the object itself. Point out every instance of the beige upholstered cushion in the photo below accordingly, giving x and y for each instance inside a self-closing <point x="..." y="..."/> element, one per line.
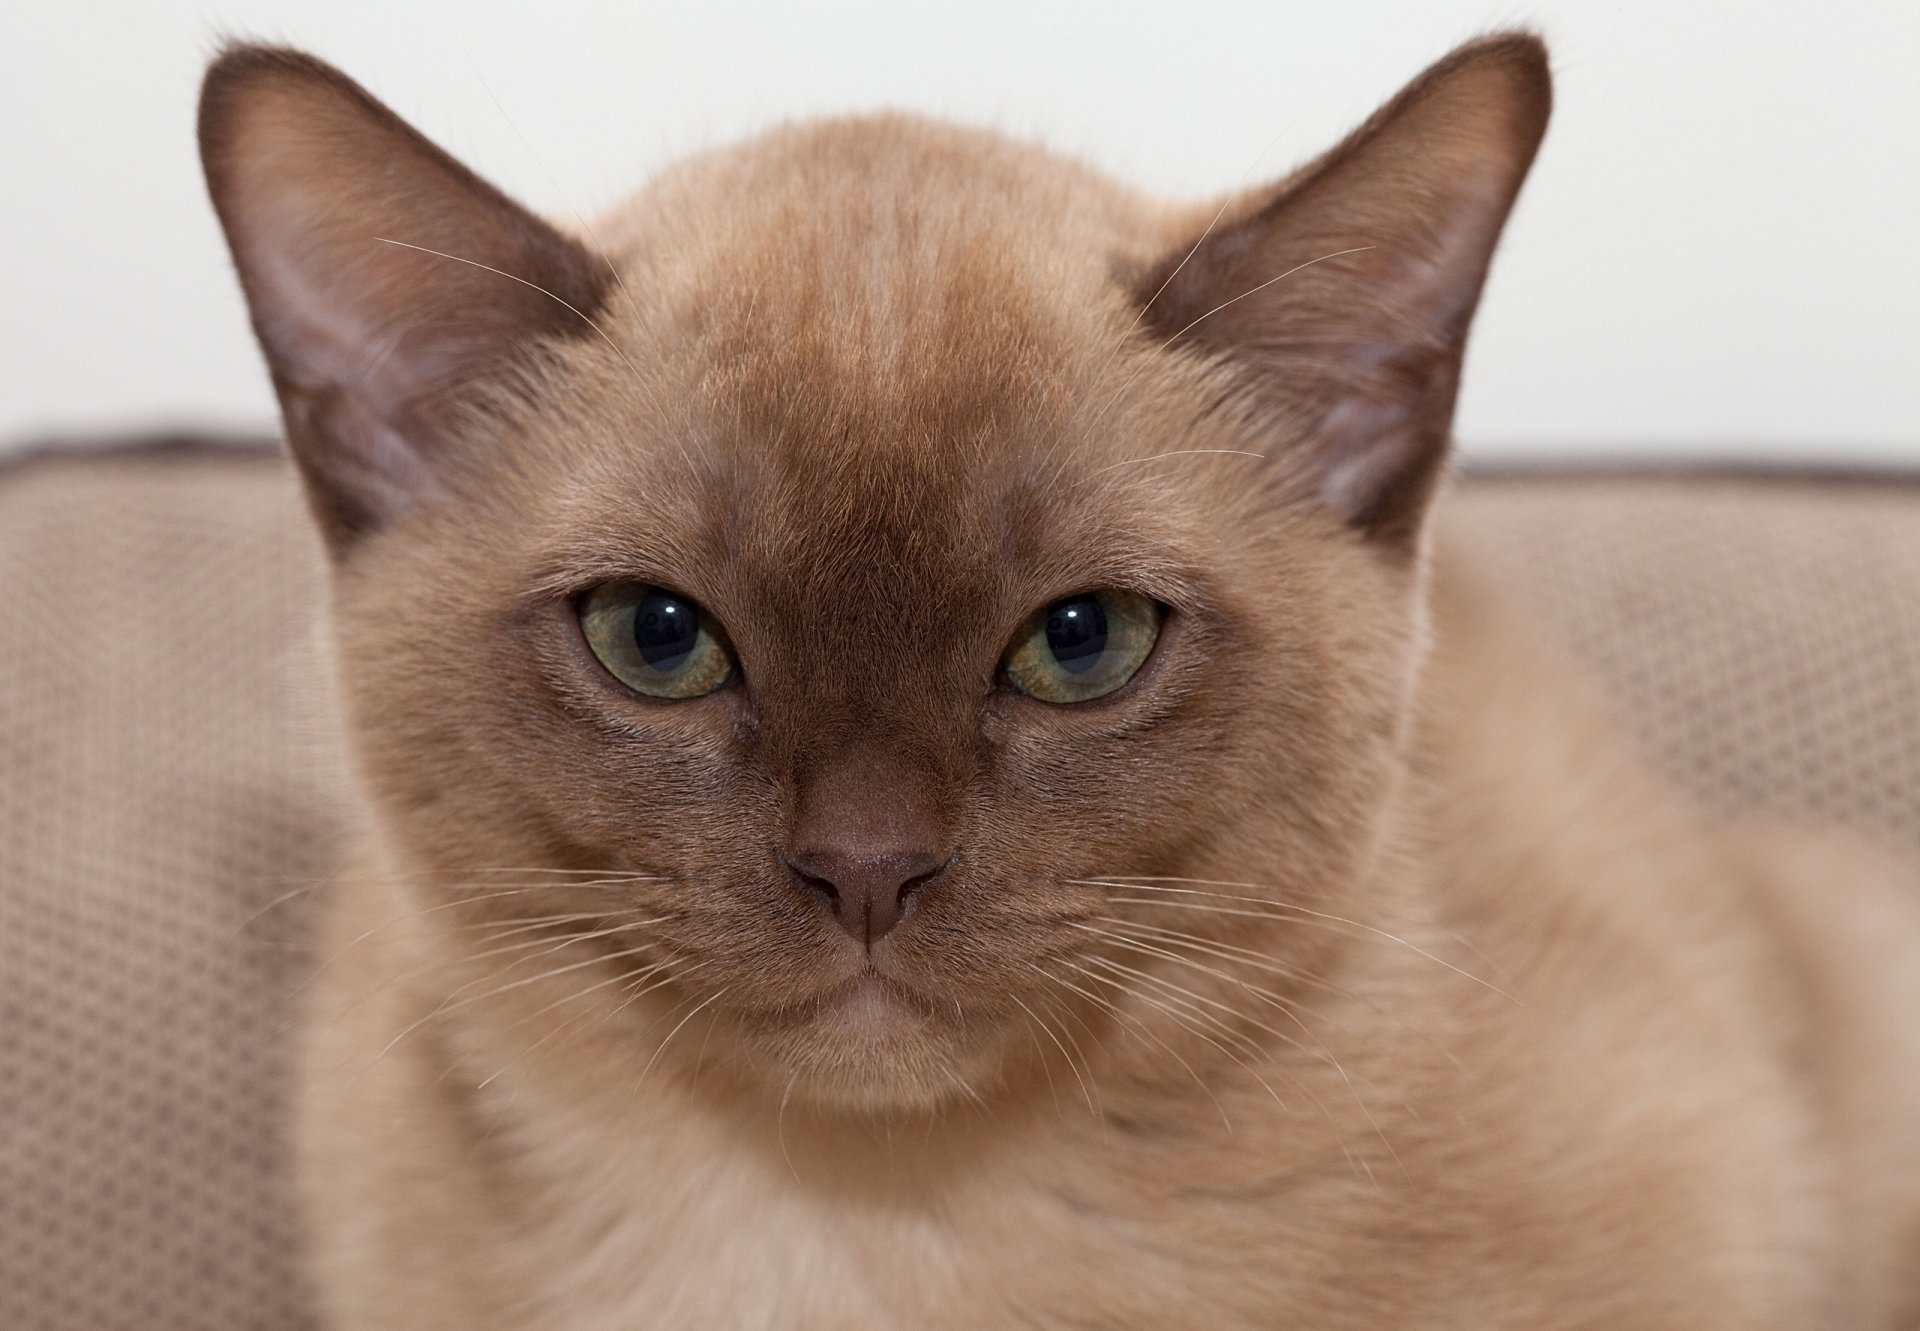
<point x="152" y="797"/>
<point x="158" y="795"/>
<point x="1761" y="634"/>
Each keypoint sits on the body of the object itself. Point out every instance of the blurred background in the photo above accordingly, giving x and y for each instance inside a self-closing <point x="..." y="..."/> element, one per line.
<point x="1715" y="257"/>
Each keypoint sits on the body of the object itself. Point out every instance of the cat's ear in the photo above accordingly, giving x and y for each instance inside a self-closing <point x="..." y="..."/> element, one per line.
<point x="1340" y="299"/>
<point x="386" y="281"/>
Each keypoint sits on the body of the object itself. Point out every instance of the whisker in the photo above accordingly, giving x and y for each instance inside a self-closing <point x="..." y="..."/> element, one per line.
<point x="1184" y="1021"/>
<point x="1161" y="290"/>
<point x="599" y="249"/>
<point x="661" y="1048"/>
<point x="1046" y="1064"/>
<point x="642" y="990"/>
<point x="456" y="882"/>
<point x="780" y="1126"/>
<point x="1254" y="291"/>
<point x="1141" y="1030"/>
<point x="455" y="904"/>
<point x="1072" y="1014"/>
<point x="960" y="1083"/>
<point x="1274" y="910"/>
<point x="475" y="263"/>
<point x="1226" y="202"/>
<point x="547" y="946"/>
<point x="278" y="901"/>
<point x="1185" y="999"/>
<point x="1265" y="915"/>
<point x="492" y="931"/>
<point x="1224" y="951"/>
<point x="576" y="995"/>
<point x="1272" y="1001"/>
<point x="1189" y="327"/>
<point x="453" y="1003"/>
<point x="1072" y="1067"/>
<point x="1190" y="1000"/>
<point x="1319" y="1045"/>
<point x="1260" y="961"/>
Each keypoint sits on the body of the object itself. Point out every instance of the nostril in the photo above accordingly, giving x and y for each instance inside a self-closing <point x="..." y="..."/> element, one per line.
<point x="868" y="894"/>
<point x="813" y="884"/>
<point x="913" y="885"/>
<point x="820" y="887"/>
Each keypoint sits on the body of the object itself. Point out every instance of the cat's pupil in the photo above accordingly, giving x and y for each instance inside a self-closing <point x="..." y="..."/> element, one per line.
<point x="1077" y="632"/>
<point x="665" y="628"/>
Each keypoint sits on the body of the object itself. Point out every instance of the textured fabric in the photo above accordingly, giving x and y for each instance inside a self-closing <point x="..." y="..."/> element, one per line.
<point x="153" y="796"/>
<point x="1762" y="636"/>
<point x="159" y="794"/>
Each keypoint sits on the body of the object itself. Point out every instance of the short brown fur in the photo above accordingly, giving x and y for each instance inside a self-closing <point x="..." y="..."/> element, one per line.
<point x="1345" y="969"/>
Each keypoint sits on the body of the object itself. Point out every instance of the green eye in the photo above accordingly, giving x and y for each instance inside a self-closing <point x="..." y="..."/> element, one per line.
<point x="654" y="641"/>
<point x="1083" y="646"/>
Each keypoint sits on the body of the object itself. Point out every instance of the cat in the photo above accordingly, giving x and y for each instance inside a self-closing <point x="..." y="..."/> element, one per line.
<point x="931" y="761"/>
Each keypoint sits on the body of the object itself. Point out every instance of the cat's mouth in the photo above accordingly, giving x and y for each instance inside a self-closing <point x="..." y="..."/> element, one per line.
<point x="869" y="1005"/>
<point x="873" y="1043"/>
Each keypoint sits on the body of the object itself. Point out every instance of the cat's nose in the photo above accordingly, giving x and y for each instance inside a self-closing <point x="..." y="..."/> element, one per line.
<point x="868" y="892"/>
<point x="868" y="834"/>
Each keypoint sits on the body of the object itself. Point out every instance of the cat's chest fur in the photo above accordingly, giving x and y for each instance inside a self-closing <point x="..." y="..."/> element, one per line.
<point x="695" y="1227"/>
<point x="699" y="1214"/>
<point x="699" y="1228"/>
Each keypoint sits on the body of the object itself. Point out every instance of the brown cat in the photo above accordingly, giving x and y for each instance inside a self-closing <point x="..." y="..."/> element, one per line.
<point x="927" y="767"/>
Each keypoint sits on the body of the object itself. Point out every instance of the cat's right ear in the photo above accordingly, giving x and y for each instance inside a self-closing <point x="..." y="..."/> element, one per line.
<point x="385" y="280"/>
<point x="1340" y="299"/>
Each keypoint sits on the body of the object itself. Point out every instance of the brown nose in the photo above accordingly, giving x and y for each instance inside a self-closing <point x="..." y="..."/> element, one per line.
<point x="866" y="893"/>
<point x="867" y="833"/>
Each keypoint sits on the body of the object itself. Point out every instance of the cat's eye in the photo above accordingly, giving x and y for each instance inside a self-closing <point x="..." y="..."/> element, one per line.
<point x="1083" y="646"/>
<point x="655" y="641"/>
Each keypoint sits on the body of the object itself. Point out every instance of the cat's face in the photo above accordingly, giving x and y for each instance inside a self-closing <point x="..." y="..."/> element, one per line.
<point x="864" y="559"/>
<point x="883" y="561"/>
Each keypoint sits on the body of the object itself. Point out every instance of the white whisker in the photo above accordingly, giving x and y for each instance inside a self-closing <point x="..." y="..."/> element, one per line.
<point x="475" y="263"/>
<point x="1072" y="1066"/>
<point x="1274" y="910"/>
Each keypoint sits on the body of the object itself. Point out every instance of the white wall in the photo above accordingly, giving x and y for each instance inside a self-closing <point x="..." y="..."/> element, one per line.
<point x="1720" y="250"/>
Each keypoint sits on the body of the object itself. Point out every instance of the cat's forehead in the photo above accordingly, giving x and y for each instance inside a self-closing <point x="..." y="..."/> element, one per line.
<point x="885" y="258"/>
<point x="876" y="194"/>
<point x="881" y="334"/>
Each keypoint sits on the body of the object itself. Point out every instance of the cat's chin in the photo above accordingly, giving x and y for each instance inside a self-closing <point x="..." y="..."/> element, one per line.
<point x="867" y="1007"/>
<point x="868" y="1046"/>
<point x="881" y="1088"/>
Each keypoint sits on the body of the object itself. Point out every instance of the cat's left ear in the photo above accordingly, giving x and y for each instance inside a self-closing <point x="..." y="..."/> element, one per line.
<point x="1340" y="300"/>
<point x="392" y="289"/>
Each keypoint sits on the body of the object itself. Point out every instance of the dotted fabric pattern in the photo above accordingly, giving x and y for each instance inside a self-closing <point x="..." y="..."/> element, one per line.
<point x="1760" y="635"/>
<point x="155" y="792"/>
<point x="162" y="786"/>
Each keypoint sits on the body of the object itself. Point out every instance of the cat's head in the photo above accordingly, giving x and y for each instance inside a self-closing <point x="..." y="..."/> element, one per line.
<point x="868" y="590"/>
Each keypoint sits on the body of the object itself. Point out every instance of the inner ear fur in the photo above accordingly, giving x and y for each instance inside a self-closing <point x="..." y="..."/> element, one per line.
<point x="340" y="216"/>
<point x="1340" y="298"/>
